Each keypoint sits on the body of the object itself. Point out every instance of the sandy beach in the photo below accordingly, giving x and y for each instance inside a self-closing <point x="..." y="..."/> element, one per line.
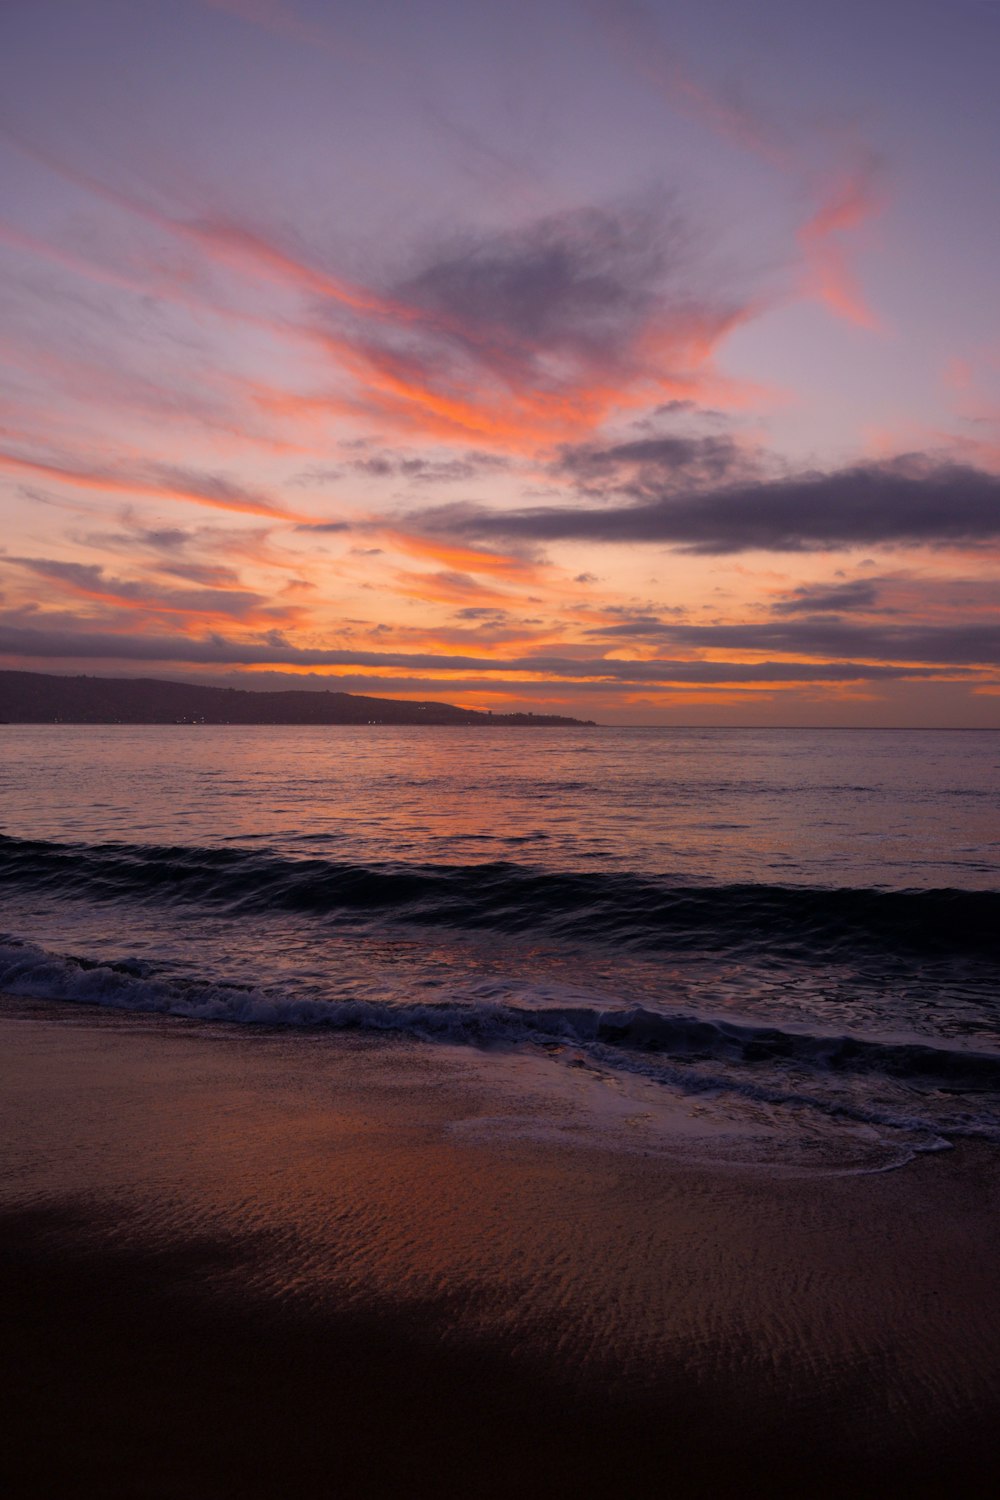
<point x="245" y="1265"/>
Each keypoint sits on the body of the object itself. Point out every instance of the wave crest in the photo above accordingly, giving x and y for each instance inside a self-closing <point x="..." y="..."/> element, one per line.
<point x="635" y="911"/>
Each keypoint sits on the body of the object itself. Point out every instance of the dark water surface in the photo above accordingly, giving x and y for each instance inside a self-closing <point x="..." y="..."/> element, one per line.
<point x="795" y="933"/>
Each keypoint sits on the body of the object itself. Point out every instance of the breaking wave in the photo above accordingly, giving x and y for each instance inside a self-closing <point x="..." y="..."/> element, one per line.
<point x="638" y="912"/>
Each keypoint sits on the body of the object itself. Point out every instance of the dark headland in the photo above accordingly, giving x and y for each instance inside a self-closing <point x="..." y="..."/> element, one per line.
<point x="43" y="698"/>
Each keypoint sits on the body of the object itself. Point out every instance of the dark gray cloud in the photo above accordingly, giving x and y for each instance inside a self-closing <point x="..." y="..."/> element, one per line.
<point x="574" y="305"/>
<point x="943" y="644"/>
<point x="580" y="283"/>
<point x="552" y="306"/>
<point x="416" y="470"/>
<point x="203" y="573"/>
<point x="438" y="471"/>
<point x="820" y="599"/>
<point x="215" y="488"/>
<point x="78" y="575"/>
<point x="907" y="501"/>
<point x="317" y="475"/>
<point x="648" y="466"/>
<point x="165" y="538"/>
<point x="674" y="408"/>
<point x="168" y="539"/>
<point x="377" y="466"/>
<point x="34" y="640"/>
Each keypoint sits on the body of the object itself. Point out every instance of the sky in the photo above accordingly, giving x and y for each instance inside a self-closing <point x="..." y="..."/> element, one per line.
<point x="635" y="361"/>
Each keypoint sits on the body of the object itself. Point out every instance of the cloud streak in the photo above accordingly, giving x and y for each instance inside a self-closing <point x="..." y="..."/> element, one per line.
<point x="909" y="501"/>
<point x="942" y="645"/>
<point x="37" y="641"/>
<point x="828" y="598"/>
<point x="844" y="201"/>
<point x="93" y="582"/>
<point x="165" y="481"/>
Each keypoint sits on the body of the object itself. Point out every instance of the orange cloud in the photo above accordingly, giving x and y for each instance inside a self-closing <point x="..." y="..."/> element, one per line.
<point x="448" y="588"/>
<point x="465" y="559"/>
<point x="672" y="358"/>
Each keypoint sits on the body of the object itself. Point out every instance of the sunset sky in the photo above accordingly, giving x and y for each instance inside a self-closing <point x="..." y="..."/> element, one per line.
<point x="634" y="361"/>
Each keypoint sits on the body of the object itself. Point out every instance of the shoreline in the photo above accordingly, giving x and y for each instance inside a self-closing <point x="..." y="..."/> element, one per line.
<point x="258" y="1265"/>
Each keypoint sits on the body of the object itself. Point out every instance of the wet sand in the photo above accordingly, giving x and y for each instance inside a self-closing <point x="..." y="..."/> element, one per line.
<point x="239" y="1264"/>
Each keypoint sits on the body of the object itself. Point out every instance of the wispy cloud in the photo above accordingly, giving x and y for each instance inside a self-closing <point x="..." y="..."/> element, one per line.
<point x="843" y="198"/>
<point x="281" y="19"/>
<point x="508" y="339"/>
<point x="640" y="42"/>
<point x="853" y="196"/>
<point x="166" y="481"/>
<point x="656" y="464"/>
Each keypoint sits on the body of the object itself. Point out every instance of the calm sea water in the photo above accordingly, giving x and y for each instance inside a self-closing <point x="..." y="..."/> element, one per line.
<point x="793" y="932"/>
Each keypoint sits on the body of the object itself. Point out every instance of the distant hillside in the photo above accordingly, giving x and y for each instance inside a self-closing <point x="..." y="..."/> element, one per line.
<point x="40" y="698"/>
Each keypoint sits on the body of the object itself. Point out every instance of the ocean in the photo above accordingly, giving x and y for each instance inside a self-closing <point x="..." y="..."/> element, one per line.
<point x="775" y="948"/>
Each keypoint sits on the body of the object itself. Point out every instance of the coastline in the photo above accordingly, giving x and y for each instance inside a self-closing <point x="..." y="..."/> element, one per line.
<point x="251" y="1265"/>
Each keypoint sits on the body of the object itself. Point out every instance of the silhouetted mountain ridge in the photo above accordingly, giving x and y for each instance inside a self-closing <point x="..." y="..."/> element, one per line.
<point x="42" y="698"/>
